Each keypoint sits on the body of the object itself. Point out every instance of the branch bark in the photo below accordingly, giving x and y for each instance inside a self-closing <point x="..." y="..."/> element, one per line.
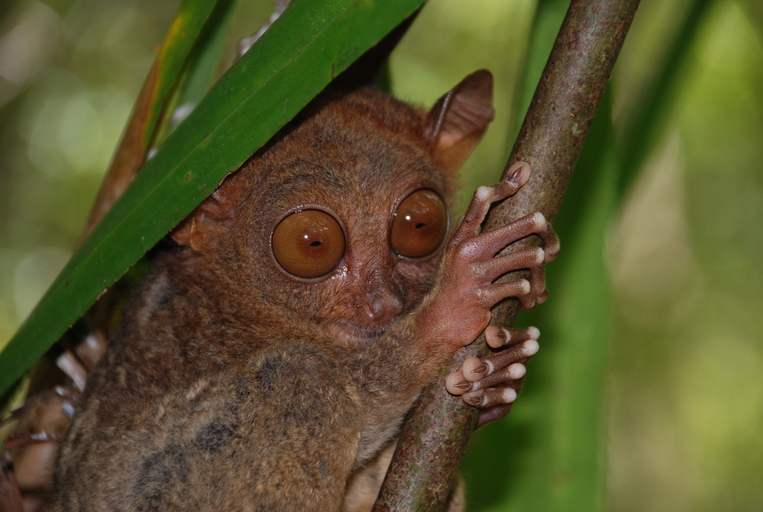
<point x="433" y="440"/>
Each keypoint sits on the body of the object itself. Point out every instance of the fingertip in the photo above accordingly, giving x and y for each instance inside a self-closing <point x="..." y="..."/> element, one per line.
<point x="530" y="347"/>
<point x="496" y="337"/>
<point x="455" y="384"/>
<point x="509" y="395"/>
<point x="517" y="371"/>
<point x="475" y="368"/>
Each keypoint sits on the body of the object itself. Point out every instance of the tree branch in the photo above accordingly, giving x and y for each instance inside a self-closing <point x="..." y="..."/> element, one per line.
<point x="434" y="438"/>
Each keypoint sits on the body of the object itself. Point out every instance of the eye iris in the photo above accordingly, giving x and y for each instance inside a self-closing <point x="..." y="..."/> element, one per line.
<point x="308" y="243"/>
<point x="420" y="224"/>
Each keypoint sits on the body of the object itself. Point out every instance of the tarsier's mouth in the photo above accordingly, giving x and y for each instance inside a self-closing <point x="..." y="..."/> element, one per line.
<point x="354" y="336"/>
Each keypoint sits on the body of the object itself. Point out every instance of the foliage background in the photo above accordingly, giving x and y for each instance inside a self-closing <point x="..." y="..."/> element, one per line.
<point x="682" y="409"/>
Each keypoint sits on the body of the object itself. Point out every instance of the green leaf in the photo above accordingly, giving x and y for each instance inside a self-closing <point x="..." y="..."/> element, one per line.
<point x="309" y="45"/>
<point x="577" y="324"/>
<point x="554" y="460"/>
<point x="548" y="18"/>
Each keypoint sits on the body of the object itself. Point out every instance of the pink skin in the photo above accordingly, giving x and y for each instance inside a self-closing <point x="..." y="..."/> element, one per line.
<point x="470" y="268"/>
<point x="493" y="383"/>
<point x="467" y="286"/>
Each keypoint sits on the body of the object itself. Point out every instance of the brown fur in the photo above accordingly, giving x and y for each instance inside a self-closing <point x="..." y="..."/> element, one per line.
<point x="232" y="385"/>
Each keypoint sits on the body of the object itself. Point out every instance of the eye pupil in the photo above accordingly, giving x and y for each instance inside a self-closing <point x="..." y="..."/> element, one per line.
<point x="308" y="243"/>
<point x="420" y="224"/>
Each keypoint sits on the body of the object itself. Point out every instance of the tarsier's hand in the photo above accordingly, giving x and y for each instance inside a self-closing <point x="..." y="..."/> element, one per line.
<point x="493" y="382"/>
<point x="469" y="285"/>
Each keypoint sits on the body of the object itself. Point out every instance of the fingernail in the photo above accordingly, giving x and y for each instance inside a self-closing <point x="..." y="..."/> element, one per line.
<point x="473" y="400"/>
<point x="464" y="385"/>
<point x="482" y="368"/>
<point x="515" y="175"/>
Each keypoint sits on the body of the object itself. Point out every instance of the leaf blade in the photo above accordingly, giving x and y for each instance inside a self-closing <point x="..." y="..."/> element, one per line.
<point x="291" y="63"/>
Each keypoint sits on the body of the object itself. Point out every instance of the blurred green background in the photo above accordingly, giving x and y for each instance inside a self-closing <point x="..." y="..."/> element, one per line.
<point x="651" y="362"/>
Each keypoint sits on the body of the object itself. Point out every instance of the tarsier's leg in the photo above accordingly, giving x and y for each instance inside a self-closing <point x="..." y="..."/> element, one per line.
<point x="493" y="382"/>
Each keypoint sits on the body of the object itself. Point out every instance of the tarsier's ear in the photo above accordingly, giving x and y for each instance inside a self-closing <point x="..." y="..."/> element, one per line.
<point x="457" y="121"/>
<point x="198" y="229"/>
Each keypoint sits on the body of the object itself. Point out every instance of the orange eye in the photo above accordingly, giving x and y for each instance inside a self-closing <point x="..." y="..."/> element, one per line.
<point x="308" y="243"/>
<point x="419" y="225"/>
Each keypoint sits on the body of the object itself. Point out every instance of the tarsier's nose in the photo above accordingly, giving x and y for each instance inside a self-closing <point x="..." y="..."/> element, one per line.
<point x="382" y="302"/>
<point x="382" y="305"/>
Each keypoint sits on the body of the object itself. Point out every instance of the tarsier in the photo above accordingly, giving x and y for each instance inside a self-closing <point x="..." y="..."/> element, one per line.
<point x="269" y="358"/>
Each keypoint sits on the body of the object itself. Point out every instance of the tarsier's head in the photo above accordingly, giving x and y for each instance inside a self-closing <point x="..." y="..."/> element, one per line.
<point x="341" y="223"/>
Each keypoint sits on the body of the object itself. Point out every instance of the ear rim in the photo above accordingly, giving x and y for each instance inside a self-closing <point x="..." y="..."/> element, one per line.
<point x="474" y="96"/>
<point x="194" y="229"/>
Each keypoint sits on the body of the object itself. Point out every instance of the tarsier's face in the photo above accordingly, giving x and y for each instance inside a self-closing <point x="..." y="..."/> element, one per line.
<point x="341" y="222"/>
<point x="373" y="280"/>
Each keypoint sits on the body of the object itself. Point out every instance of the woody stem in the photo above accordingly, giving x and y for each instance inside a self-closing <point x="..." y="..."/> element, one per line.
<point x="434" y="437"/>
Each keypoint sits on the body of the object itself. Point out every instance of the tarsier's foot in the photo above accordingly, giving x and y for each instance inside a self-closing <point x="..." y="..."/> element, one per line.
<point x="495" y="380"/>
